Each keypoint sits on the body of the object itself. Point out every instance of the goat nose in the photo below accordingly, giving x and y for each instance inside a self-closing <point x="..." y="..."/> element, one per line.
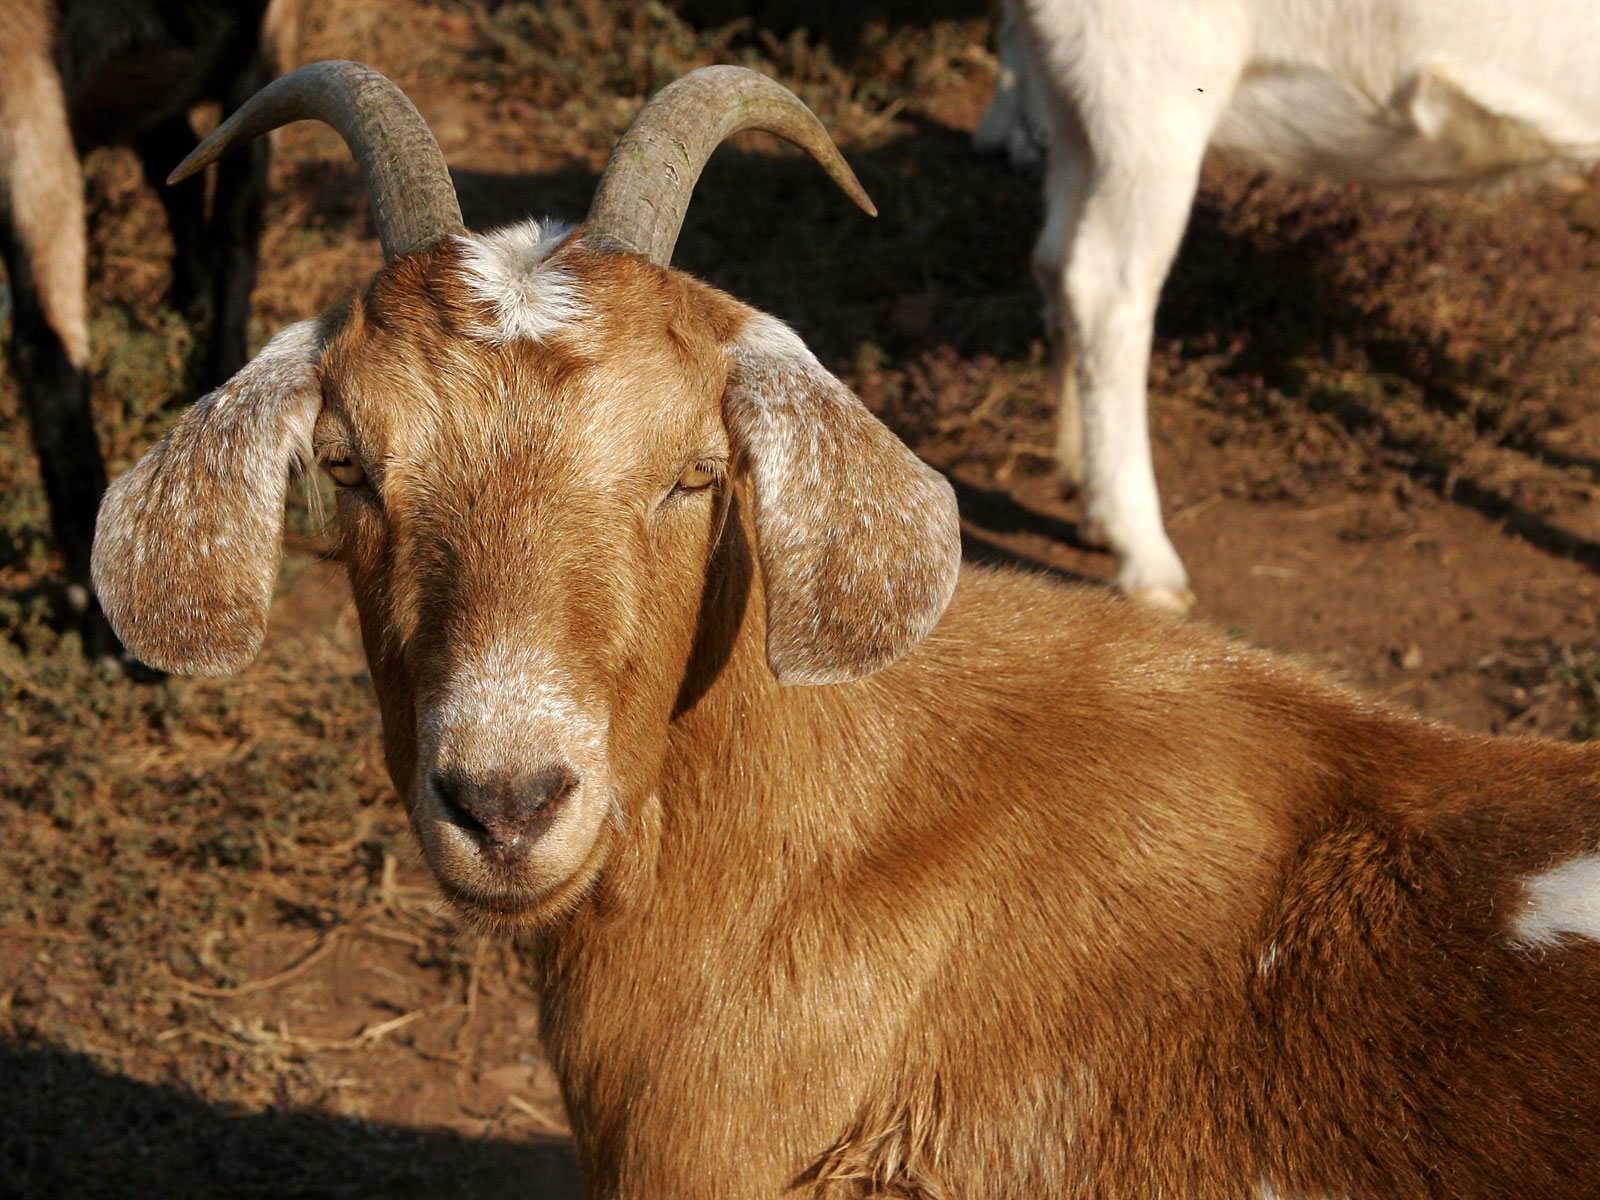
<point x="503" y="811"/>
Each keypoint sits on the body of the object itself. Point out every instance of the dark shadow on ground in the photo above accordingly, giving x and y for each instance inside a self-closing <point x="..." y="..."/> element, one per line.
<point x="1536" y="447"/>
<point x="997" y="511"/>
<point x="70" y="1129"/>
<point x="1433" y="468"/>
<point x="984" y="553"/>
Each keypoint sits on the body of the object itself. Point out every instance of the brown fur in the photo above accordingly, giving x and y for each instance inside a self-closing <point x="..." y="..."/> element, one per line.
<point x="1068" y="901"/>
<point x="41" y="183"/>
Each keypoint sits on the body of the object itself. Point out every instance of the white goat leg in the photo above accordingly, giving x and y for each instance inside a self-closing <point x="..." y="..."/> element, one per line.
<point x="1113" y="224"/>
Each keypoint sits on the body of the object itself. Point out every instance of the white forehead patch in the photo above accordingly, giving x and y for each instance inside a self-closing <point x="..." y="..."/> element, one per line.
<point x="507" y="270"/>
<point x="1562" y="901"/>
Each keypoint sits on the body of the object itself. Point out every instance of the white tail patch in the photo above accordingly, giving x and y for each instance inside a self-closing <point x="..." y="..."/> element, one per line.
<point x="507" y="270"/>
<point x="1563" y="901"/>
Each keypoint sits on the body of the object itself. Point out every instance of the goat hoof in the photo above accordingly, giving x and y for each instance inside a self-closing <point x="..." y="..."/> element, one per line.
<point x="1176" y="602"/>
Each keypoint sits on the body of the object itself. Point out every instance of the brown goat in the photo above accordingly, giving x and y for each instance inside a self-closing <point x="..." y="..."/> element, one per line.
<point x="1050" y="899"/>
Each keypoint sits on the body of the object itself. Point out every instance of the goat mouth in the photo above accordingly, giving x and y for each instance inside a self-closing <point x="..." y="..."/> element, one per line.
<point x="498" y="884"/>
<point x="502" y="901"/>
<point x="502" y="910"/>
<point x="526" y="882"/>
<point x="500" y="904"/>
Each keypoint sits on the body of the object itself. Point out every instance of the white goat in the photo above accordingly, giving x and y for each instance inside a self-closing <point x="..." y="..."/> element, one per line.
<point x="1130" y="93"/>
<point x="1055" y="899"/>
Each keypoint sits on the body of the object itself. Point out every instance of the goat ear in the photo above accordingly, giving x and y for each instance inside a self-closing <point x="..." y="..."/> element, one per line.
<point x="187" y="544"/>
<point x="858" y="538"/>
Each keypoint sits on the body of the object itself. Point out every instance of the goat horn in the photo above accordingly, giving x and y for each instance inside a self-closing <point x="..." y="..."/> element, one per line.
<point x="413" y="200"/>
<point x="645" y="189"/>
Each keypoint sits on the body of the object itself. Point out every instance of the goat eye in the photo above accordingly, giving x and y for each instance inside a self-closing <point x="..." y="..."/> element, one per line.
<point x="697" y="477"/>
<point x="346" y="471"/>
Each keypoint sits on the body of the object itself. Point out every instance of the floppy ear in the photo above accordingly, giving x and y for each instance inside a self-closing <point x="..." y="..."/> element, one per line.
<point x="858" y="538"/>
<point x="187" y="544"/>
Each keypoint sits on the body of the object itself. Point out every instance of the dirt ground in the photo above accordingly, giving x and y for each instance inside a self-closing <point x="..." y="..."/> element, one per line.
<point x="223" y="971"/>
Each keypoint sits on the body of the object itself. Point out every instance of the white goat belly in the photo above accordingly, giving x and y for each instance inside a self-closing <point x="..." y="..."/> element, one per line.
<point x="1441" y="124"/>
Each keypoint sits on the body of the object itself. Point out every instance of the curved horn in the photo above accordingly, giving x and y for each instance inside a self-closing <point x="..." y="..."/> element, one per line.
<point x="645" y="189"/>
<point x="413" y="200"/>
